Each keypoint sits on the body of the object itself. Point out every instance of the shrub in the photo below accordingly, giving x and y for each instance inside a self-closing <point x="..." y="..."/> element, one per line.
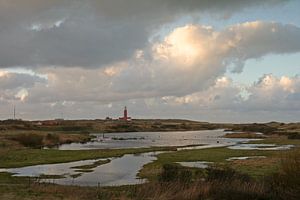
<point x="185" y="176"/>
<point x="30" y="140"/>
<point x="169" y="173"/>
<point x="53" y="138"/>
<point x="3" y="144"/>
<point x="173" y="173"/>
<point x="294" y="136"/>
<point x="225" y="174"/>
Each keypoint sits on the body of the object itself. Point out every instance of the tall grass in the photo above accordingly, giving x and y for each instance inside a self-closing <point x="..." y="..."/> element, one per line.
<point x="285" y="184"/>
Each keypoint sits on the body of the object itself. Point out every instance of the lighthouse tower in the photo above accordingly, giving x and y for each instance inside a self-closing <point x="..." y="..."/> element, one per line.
<point x="125" y="116"/>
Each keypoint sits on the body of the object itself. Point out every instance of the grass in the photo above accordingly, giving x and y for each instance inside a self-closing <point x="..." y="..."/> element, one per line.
<point x="254" y="167"/>
<point x="258" y="167"/>
<point x="21" y="189"/>
<point x="284" y="182"/>
<point x="278" y="141"/>
<point x="216" y="155"/>
<point x="235" y="188"/>
<point x="7" y="178"/>
<point x="27" y="157"/>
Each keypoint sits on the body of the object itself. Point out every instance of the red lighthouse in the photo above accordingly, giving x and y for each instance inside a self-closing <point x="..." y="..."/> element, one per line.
<point x="125" y="117"/>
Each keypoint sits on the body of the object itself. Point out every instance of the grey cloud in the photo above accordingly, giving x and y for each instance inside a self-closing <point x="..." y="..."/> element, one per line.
<point x="256" y="39"/>
<point x="15" y="80"/>
<point x="94" y="32"/>
<point x="14" y="86"/>
<point x="163" y="74"/>
<point x="198" y="106"/>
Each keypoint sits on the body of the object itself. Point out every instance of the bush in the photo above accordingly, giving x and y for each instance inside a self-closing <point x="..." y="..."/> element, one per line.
<point x="225" y="174"/>
<point x="173" y="173"/>
<point x="185" y="176"/>
<point x="294" y="136"/>
<point x="169" y="173"/>
<point x="53" y="138"/>
<point x="30" y="140"/>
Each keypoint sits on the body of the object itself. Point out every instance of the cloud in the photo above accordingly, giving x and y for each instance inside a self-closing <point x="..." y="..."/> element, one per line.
<point x="268" y="93"/>
<point x="188" y="60"/>
<point x="15" y="86"/>
<point x="92" y="33"/>
<point x="192" y="57"/>
<point x="273" y="93"/>
<point x="270" y="98"/>
<point x="10" y="80"/>
<point x="99" y="55"/>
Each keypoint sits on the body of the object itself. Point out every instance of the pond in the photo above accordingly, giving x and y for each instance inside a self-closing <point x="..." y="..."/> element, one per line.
<point x="119" y="171"/>
<point x="123" y="170"/>
<point x="151" y="139"/>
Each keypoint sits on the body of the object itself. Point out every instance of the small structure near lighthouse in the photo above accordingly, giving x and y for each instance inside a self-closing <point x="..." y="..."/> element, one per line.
<point x="125" y="117"/>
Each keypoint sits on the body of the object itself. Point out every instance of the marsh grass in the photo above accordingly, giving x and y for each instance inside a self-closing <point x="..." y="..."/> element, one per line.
<point x="285" y="184"/>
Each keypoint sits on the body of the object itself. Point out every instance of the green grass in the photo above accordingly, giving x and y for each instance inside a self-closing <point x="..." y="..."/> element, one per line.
<point x="28" y="157"/>
<point x="210" y="154"/>
<point x="258" y="170"/>
<point x="20" y="188"/>
<point x="278" y="141"/>
<point x="6" y="178"/>
<point x="216" y="155"/>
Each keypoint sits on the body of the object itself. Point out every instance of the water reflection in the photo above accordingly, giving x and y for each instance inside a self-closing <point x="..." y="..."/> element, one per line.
<point x="120" y="171"/>
<point x="150" y="139"/>
<point x="245" y="158"/>
<point x="196" y="164"/>
<point x="261" y="147"/>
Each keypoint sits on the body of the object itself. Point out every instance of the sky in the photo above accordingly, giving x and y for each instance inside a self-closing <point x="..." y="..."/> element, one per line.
<point x="216" y="61"/>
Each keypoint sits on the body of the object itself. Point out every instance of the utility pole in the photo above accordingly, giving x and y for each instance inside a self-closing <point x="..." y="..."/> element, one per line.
<point x="14" y="112"/>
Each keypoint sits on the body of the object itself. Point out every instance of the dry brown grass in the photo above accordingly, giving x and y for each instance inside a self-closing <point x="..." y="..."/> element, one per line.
<point x="200" y="190"/>
<point x="286" y="183"/>
<point x="51" y="192"/>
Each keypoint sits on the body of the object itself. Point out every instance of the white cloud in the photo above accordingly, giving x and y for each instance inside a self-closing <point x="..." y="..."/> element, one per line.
<point x="273" y="93"/>
<point x="188" y="60"/>
<point x="191" y="57"/>
<point x="22" y="95"/>
<point x="14" y="86"/>
<point x="184" y="72"/>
